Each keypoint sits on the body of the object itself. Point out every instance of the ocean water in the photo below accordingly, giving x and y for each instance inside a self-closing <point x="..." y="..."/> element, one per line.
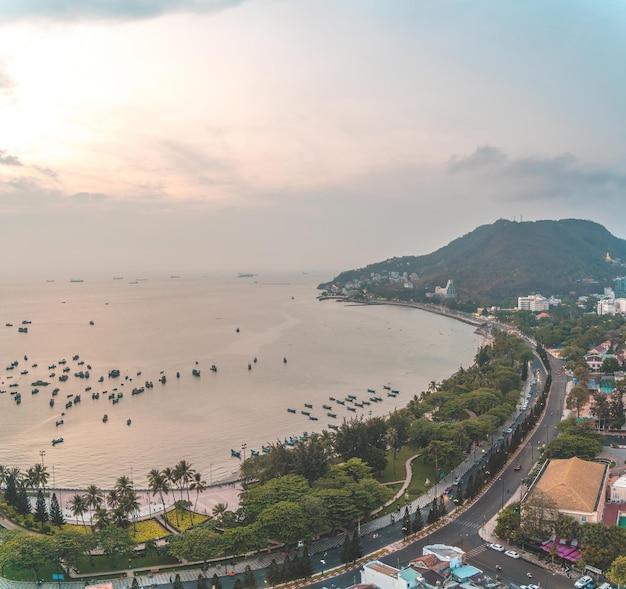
<point x="163" y="326"/>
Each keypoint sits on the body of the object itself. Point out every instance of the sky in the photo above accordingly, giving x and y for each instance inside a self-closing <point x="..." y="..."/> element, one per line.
<point x="222" y="136"/>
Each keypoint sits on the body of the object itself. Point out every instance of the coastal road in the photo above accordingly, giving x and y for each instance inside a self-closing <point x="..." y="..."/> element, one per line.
<point x="463" y="531"/>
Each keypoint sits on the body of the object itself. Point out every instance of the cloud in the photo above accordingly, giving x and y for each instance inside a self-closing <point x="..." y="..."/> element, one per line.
<point x="483" y="157"/>
<point x="9" y="160"/>
<point x="106" y="9"/>
<point x="561" y="176"/>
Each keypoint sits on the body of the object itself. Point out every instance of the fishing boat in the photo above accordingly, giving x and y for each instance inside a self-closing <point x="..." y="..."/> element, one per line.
<point x="312" y="418"/>
<point x="308" y="405"/>
<point x="340" y="402"/>
<point x="195" y="372"/>
<point x="105" y="418"/>
<point x="57" y="441"/>
<point x="51" y="402"/>
<point x="395" y="391"/>
<point x="305" y="412"/>
<point x="327" y="407"/>
<point x="331" y="398"/>
<point x="386" y="387"/>
<point x="59" y="422"/>
<point x="113" y="373"/>
<point x="351" y="408"/>
<point x="214" y="367"/>
<point x="333" y="415"/>
<point x="235" y="453"/>
<point x="254" y="452"/>
<point x="371" y="390"/>
<point x="351" y="397"/>
<point x="332" y="426"/>
<point x="291" y="410"/>
<point x="128" y="421"/>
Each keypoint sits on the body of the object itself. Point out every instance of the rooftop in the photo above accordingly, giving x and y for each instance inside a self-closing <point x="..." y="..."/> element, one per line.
<point x="573" y="484"/>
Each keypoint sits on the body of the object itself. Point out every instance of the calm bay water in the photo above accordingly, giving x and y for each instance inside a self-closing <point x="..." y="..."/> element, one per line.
<point x="175" y="325"/>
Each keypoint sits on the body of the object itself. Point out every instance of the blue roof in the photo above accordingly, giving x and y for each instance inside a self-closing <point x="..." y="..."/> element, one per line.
<point x="465" y="572"/>
<point x="409" y="575"/>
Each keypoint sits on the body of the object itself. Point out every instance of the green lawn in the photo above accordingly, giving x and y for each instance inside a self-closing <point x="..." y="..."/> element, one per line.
<point x="421" y="470"/>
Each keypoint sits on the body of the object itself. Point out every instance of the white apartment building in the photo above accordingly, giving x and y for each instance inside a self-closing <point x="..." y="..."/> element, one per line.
<point x="533" y="303"/>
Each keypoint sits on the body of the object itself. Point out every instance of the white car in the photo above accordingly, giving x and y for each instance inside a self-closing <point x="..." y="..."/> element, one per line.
<point x="512" y="553"/>
<point x="582" y="581"/>
<point x="496" y="547"/>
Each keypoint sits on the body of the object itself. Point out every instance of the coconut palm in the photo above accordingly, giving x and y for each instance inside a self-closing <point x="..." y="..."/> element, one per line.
<point x="113" y="498"/>
<point x="197" y="485"/>
<point x="123" y="485"/>
<point x="130" y="505"/>
<point x="102" y="518"/>
<point x="78" y="505"/>
<point x="219" y="511"/>
<point x="158" y="483"/>
<point x="183" y="473"/>
<point x="93" y="496"/>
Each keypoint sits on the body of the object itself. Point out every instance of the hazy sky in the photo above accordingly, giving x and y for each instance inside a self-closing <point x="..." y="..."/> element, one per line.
<point x="211" y="136"/>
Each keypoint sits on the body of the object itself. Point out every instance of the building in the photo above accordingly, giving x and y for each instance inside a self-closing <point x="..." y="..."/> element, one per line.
<point x="619" y="287"/>
<point x="446" y="292"/>
<point x="573" y="487"/>
<point x="534" y="303"/>
<point x="618" y="490"/>
<point x="453" y="556"/>
<point x="385" y="576"/>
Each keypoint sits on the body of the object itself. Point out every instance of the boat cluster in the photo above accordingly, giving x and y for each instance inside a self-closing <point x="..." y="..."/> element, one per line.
<point x="350" y="403"/>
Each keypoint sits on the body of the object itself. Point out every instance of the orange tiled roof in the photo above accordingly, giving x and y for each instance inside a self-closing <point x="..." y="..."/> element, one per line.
<point x="573" y="484"/>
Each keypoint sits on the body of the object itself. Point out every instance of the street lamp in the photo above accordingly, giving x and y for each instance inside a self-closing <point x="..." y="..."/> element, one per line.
<point x="323" y="562"/>
<point x="501" y="493"/>
<point x="243" y="447"/>
<point x="42" y="453"/>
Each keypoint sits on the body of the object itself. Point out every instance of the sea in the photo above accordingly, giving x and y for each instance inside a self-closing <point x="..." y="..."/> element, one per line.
<point x="274" y="345"/>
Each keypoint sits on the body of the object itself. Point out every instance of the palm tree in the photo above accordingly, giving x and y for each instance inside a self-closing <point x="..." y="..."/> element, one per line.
<point x="4" y="473"/>
<point x="219" y="511"/>
<point x="94" y="499"/>
<point x="123" y="485"/>
<point x="78" y="504"/>
<point x="197" y="485"/>
<point x="130" y="505"/>
<point x="113" y="498"/>
<point x="102" y="518"/>
<point x="183" y="473"/>
<point x="156" y="482"/>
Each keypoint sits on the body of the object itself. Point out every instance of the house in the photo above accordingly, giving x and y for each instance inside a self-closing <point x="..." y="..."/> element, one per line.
<point x="453" y="556"/>
<point x="385" y="576"/>
<point x="618" y="490"/>
<point x="572" y="486"/>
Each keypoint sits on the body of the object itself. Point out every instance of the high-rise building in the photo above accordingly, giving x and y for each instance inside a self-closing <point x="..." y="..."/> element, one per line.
<point x="620" y="287"/>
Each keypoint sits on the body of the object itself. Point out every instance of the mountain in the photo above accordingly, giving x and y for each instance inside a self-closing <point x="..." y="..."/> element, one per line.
<point x="504" y="260"/>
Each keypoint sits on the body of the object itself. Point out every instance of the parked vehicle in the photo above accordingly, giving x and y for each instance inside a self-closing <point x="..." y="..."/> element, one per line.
<point x="582" y="582"/>
<point x="511" y="553"/>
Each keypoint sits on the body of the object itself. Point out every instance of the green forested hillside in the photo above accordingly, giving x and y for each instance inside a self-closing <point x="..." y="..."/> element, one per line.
<point x="507" y="259"/>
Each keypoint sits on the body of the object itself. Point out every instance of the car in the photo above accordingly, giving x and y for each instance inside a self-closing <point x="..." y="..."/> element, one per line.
<point x="496" y="547"/>
<point x="517" y="467"/>
<point x="511" y="553"/>
<point x="509" y="430"/>
<point x="582" y="582"/>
